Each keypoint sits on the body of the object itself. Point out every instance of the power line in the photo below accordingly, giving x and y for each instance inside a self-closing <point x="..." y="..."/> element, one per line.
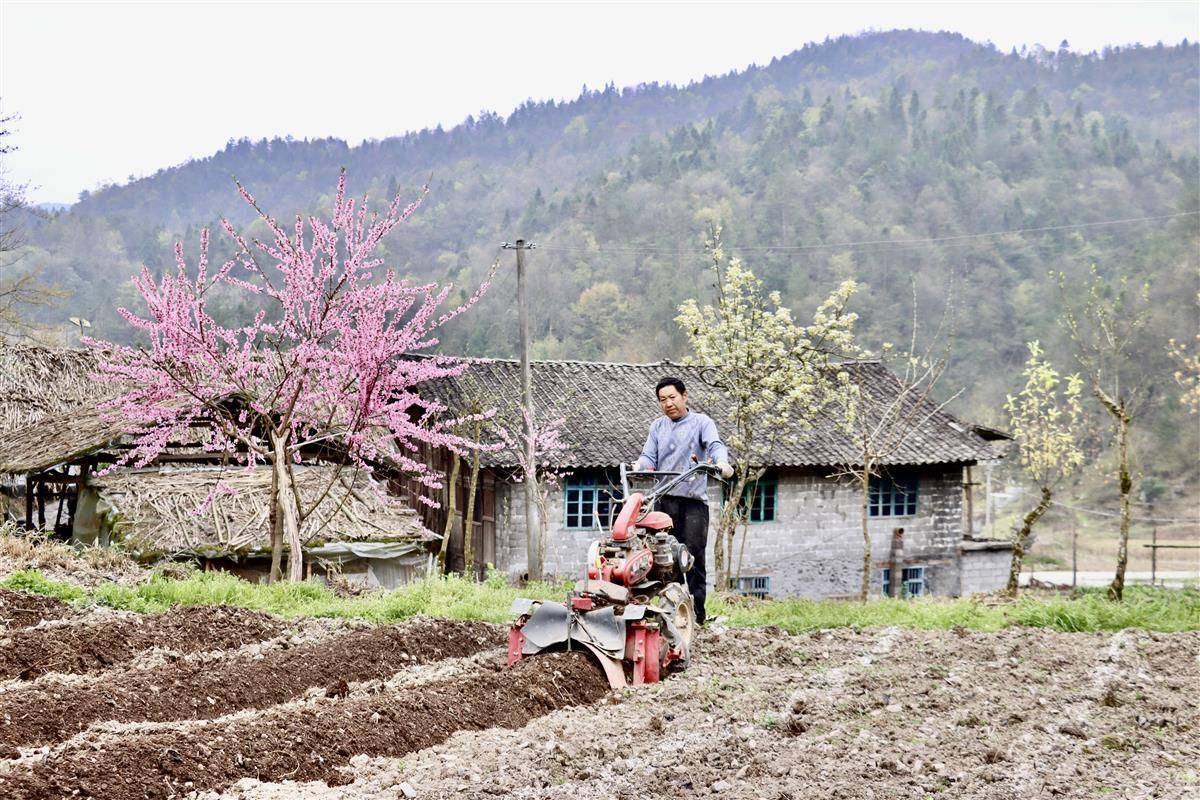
<point x="1101" y="513"/>
<point x="877" y="243"/>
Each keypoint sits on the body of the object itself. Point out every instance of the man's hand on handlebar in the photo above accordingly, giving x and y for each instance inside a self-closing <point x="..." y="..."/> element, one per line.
<point x="721" y="467"/>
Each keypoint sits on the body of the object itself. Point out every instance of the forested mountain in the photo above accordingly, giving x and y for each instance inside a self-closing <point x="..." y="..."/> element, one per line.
<point x="825" y="164"/>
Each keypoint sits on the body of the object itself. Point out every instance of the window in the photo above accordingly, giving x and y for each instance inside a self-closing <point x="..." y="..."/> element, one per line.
<point x="890" y="497"/>
<point x="587" y="497"/>
<point x="914" y="582"/>
<point x="761" y="497"/>
<point x="753" y="586"/>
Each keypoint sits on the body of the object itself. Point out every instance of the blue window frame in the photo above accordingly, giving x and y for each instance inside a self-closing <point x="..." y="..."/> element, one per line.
<point x="587" y="497"/>
<point x="913" y="585"/>
<point x="892" y="497"/>
<point x="761" y="498"/>
<point x="752" y="586"/>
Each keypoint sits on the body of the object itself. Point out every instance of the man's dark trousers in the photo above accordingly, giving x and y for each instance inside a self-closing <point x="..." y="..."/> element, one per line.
<point x="690" y="517"/>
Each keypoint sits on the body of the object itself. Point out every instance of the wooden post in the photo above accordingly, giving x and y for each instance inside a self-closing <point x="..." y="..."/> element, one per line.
<point x="29" y="502"/>
<point x="969" y="492"/>
<point x="896" y="563"/>
<point x="41" y="504"/>
<point x="1153" y="554"/>
<point x="987" y="499"/>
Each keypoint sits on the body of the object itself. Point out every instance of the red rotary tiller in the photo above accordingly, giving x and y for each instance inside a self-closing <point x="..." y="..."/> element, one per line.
<point x="632" y="611"/>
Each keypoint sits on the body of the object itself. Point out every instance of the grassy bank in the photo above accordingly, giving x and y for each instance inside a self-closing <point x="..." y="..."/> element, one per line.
<point x="456" y="598"/>
<point x="1084" y="610"/>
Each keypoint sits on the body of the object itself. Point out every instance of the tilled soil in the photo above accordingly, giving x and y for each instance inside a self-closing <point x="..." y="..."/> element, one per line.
<point x="88" y="645"/>
<point x="23" y="610"/>
<point x="307" y="742"/>
<point x="52" y="709"/>
<point x="427" y="710"/>
<point x="886" y="713"/>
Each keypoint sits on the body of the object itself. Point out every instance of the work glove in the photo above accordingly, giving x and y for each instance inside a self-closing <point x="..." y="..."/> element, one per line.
<point x="726" y="470"/>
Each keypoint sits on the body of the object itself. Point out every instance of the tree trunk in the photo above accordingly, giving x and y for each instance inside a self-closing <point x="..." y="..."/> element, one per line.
<point x="727" y="530"/>
<point x="720" y="572"/>
<point x="1014" y="571"/>
<point x="276" y="525"/>
<point x="469" y="519"/>
<point x="1116" y="591"/>
<point x="287" y="504"/>
<point x="865" y="591"/>
<point x="451" y="508"/>
<point x="896" y="564"/>
<point x="737" y="575"/>
<point x="745" y="520"/>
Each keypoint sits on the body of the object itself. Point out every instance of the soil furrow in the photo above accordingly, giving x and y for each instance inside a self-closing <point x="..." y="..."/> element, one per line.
<point x="312" y="742"/>
<point x="88" y="646"/>
<point x="52" y="711"/>
<point x="24" y="610"/>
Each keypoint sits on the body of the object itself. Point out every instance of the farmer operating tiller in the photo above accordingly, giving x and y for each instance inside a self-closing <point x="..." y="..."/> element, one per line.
<point x="632" y="610"/>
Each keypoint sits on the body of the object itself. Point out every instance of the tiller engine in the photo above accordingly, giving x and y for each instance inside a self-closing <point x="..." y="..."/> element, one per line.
<point x="632" y="611"/>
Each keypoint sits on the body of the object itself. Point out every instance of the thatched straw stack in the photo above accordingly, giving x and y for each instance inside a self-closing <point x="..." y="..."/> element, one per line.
<point x="36" y="382"/>
<point x="156" y="511"/>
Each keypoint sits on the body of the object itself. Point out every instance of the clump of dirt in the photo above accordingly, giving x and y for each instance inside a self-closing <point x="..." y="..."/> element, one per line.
<point x="89" y="645"/>
<point x="310" y="742"/>
<point x="53" y="709"/>
<point x="24" y="610"/>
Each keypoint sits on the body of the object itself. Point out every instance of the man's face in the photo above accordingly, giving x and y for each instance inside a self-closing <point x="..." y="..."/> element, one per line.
<point x="672" y="402"/>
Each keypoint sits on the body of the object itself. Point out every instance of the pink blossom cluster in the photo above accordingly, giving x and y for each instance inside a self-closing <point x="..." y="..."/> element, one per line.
<point x="328" y="359"/>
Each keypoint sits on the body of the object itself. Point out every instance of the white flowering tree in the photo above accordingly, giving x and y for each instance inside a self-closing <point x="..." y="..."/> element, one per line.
<point x="776" y="373"/>
<point x="1045" y="416"/>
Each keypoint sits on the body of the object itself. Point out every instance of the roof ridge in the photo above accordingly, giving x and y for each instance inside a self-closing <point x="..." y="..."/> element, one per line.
<point x="580" y="361"/>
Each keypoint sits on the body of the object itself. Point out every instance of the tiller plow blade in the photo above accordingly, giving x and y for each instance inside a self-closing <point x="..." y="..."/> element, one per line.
<point x="634" y="642"/>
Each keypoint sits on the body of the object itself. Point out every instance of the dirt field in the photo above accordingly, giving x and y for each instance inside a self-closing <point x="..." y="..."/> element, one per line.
<point x="212" y="703"/>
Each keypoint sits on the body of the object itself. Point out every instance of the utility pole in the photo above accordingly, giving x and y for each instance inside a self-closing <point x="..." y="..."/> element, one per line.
<point x="533" y="543"/>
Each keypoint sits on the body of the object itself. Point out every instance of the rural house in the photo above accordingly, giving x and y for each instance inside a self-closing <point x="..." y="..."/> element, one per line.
<point x="56" y="441"/>
<point x="804" y="533"/>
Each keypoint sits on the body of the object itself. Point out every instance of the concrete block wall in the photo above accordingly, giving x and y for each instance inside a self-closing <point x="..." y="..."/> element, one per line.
<point x="812" y="549"/>
<point x="985" y="566"/>
<point x="815" y="547"/>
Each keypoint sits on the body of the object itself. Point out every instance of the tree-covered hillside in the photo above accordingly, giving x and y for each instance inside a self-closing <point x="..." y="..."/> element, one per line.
<point x="883" y="157"/>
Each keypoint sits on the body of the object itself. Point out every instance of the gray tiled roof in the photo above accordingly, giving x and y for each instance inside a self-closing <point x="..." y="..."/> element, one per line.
<point x="608" y="407"/>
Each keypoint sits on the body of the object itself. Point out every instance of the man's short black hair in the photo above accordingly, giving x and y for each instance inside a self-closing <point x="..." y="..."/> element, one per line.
<point x="670" y="381"/>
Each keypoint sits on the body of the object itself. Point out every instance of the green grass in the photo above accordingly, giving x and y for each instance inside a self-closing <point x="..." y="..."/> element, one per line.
<point x="32" y="580"/>
<point x="456" y="598"/>
<point x="1085" y="610"/>
<point x="449" y="597"/>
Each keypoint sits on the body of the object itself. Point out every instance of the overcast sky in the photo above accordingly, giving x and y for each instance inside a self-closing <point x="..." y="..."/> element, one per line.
<point x="106" y="91"/>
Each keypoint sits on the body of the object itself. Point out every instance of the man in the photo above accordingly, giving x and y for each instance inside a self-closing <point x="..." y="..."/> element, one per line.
<point x="677" y="440"/>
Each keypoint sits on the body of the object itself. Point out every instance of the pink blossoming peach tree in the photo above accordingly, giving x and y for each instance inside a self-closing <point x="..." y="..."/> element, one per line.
<point x="326" y="362"/>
